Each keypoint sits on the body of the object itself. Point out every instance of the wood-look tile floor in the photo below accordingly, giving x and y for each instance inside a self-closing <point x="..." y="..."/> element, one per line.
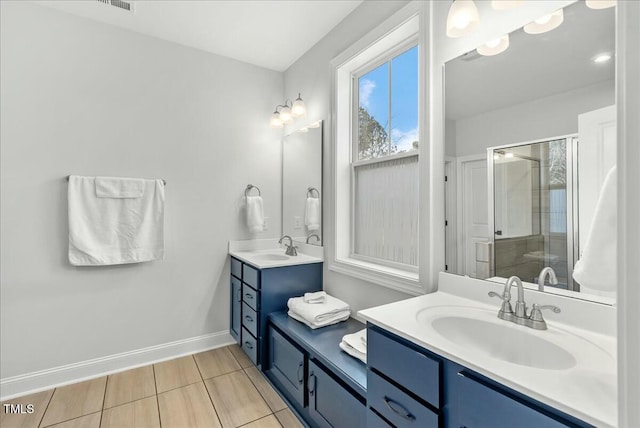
<point x="217" y="388"/>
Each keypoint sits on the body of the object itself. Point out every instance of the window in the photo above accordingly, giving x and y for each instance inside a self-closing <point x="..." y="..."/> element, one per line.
<point x="375" y="156"/>
<point x="385" y="166"/>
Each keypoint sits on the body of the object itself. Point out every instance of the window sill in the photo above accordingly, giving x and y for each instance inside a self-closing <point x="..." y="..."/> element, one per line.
<point x="396" y="279"/>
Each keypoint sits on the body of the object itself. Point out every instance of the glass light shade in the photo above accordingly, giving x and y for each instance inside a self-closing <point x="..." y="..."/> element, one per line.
<point x="285" y="115"/>
<point x="545" y="23"/>
<point x="298" y="109"/>
<point x="463" y="18"/>
<point x="275" y="121"/>
<point x="599" y="59"/>
<point x="601" y="4"/>
<point x="494" y="47"/>
<point x="506" y="4"/>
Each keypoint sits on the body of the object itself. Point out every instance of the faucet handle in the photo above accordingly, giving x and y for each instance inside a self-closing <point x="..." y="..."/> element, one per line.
<point x="536" y="311"/>
<point x="506" y="302"/>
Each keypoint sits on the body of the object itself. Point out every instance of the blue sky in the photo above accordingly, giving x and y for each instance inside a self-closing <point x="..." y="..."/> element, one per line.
<point x="374" y="96"/>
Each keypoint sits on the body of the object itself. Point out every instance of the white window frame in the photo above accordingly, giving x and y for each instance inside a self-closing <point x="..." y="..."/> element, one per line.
<point x="397" y="34"/>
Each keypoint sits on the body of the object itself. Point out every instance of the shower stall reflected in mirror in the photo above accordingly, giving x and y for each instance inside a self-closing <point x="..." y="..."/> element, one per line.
<point x="533" y="187"/>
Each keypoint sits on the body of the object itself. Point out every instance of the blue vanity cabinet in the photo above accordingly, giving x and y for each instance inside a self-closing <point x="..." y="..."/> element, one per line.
<point x="323" y="385"/>
<point x="403" y="382"/>
<point x="409" y="386"/>
<point x="255" y="293"/>
<point x="330" y="404"/>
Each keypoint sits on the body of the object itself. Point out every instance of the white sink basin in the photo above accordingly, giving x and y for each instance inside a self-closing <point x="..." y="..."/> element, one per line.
<point x="503" y="342"/>
<point x="270" y="257"/>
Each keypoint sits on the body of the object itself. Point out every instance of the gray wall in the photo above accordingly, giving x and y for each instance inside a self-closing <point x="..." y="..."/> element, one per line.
<point x="81" y="97"/>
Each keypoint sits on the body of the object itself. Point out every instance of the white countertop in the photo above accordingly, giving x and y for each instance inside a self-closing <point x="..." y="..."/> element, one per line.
<point x="267" y="253"/>
<point x="586" y="391"/>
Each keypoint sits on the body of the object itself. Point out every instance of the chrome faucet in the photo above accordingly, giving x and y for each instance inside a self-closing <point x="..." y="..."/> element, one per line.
<point x="520" y="317"/>
<point x="543" y="275"/>
<point x="311" y="236"/>
<point x="290" y="249"/>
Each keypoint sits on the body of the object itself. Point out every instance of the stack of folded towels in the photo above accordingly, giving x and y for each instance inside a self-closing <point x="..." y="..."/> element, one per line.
<point x="318" y="309"/>
<point x="356" y="345"/>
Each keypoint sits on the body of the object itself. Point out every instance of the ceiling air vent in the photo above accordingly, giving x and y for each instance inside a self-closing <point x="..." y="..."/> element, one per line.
<point x="120" y="4"/>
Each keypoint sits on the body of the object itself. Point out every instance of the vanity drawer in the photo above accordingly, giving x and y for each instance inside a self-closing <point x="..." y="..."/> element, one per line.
<point x="375" y="421"/>
<point x="250" y="297"/>
<point x="236" y="268"/>
<point x="250" y="319"/>
<point x="250" y="346"/>
<point x="413" y="370"/>
<point x="251" y="276"/>
<point x="396" y="406"/>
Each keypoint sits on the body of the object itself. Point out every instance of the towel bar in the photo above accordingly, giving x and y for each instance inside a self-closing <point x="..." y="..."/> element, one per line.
<point x="163" y="181"/>
<point x="310" y="190"/>
<point x="248" y="189"/>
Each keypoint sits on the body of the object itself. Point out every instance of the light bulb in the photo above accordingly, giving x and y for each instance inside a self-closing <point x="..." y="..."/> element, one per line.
<point x="494" y="47"/>
<point x="463" y="18"/>
<point x="285" y="115"/>
<point x="298" y="109"/>
<point x="601" y="4"/>
<point x="601" y="58"/>
<point x="506" y="4"/>
<point x="275" y="121"/>
<point x="545" y="23"/>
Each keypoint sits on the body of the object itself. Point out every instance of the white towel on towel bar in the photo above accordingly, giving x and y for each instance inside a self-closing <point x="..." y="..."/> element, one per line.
<point x="595" y="271"/>
<point x="312" y="214"/>
<point x="109" y="230"/>
<point x="255" y="214"/>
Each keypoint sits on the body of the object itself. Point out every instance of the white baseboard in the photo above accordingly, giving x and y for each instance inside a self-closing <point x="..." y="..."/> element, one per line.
<point x="30" y="383"/>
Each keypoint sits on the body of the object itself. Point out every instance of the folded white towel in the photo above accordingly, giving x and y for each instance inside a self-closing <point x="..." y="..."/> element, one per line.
<point x="112" y="187"/>
<point x="595" y="271"/>
<point x="314" y="298"/>
<point x="312" y="214"/>
<point x="334" y="319"/>
<point x="353" y="352"/>
<point x="114" y="230"/>
<point x="363" y="339"/>
<point x="318" y="312"/>
<point x="354" y="340"/>
<point x="255" y="214"/>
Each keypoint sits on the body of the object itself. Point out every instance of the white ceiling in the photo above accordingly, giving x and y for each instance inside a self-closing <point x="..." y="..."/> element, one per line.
<point x="534" y="66"/>
<point x="270" y="34"/>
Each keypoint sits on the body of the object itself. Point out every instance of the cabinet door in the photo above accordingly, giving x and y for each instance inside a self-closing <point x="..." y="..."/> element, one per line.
<point x="236" y="304"/>
<point x="330" y="404"/>
<point x="286" y="364"/>
<point x="481" y="405"/>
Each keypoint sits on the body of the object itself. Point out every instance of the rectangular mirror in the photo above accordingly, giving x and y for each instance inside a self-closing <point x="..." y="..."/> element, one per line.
<point x="302" y="184"/>
<point x="529" y="144"/>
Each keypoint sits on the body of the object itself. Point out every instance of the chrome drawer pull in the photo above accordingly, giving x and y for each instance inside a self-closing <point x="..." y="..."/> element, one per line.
<point x="248" y="318"/>
<point x="248" y="296"/>
<point x="300" y="379"/>
<point x="248" y="345"/>
<point x="399" y="409"/>
<point x="312" y="389"/>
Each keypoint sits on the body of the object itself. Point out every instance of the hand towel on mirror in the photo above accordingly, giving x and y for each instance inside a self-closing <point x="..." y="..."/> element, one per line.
<point x="115" y="230"/>
<point x="312" y="214"/>
<point x="596" y="268"/>
<point x="255" y="214"/>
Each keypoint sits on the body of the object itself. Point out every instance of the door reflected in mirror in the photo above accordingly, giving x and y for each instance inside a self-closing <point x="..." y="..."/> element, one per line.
<point x="302" y="184"/>
<point x="529" y="141"/>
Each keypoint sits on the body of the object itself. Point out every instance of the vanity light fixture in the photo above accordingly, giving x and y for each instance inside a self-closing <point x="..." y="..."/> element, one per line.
<point x="285" y="113"/>
<point x="545" y="23"/>
<point x="601" y="4"/>
<point x="463" y="18"/>
<point x="494" y="47"/>
<point x="600" y="58"/>
<point x="506" y="4"/>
